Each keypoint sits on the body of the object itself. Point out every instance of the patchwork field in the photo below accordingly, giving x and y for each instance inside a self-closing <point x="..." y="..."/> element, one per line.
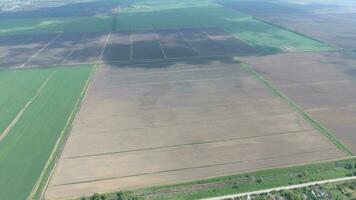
<point x="167" y="100"/>
<point x="265" y="37"/>
<point x="32" y="120"/>
<point x="50" y="25"/>
<point x="323" y="84"/>
<point x="23" y="51"/>
<point x="332" y="22"/>
<point x="159" y="123"/>
<point x="336" y="29"/>
<point x="73" y="8"/>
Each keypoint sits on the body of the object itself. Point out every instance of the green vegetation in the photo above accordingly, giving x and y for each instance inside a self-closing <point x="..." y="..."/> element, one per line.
<point x="25" y="150"/>
<point x="339" y="191"/>
<point x="143" y="15"/>
<point x="243" y="182"/>
<point x="20" y="90"/>
<point x="342" y="191"/>
<point x="266" y="37"/>
<point x="50" y="25"/>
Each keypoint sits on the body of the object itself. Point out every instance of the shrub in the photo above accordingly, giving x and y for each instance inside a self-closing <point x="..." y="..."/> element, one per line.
<point x="348" y="166"/>
<point x="95" y="196"/>
<point x="259" y="180"/>
<point x="349" y="174"/>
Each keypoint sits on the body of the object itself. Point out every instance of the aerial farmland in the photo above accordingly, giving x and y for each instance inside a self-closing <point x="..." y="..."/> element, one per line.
<point x="171" y="99"/>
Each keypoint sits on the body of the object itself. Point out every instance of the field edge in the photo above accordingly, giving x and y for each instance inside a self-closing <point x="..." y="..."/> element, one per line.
<point x="327" y="133"/>
<point x="42" y="181"/>
<point x="321" y="167"/>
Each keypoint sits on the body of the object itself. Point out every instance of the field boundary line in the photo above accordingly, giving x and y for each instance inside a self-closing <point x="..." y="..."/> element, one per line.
<point x="296" y="32"/>
<point x="43" y="48"/>
<point x="237" y="37"/>
<point x="183" y="81"/>
<point x="104" y="47"/>
<point x="317" y="83"/>
<point x="38" y="190"/>
<point x="195" y="167"/>
<point x="176" y="59"/>
<point x="189" y="43"/>
<point x="329" y="109"/>
<point x="73" y="49"/>
<point x="4" y="54"/>
<point x="289" y="187"/>
<point x="19" y="114"/>
<point x="194" y="143"/>
<point x="306" y="116"/>
<point x="210" y="37"/>
<point x="173" y="71"/>
<point x="160" y="45"/>
<point x="195" y="123"/>
<point x="131" y="46"/>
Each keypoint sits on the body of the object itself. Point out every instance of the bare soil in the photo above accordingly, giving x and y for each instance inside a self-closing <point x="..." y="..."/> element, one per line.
<point x="323" y="84"/>
<point x="152" y="124"/>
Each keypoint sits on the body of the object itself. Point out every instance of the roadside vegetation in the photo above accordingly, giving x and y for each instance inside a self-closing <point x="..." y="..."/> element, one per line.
<point x="339" y="191"/>
<point x="240" y="183"/>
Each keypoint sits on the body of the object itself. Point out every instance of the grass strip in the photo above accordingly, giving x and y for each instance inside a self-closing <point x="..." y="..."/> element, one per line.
<point x="305" y="115"/>
<point x="39" y="188"/>
<point x="246" y="182"/>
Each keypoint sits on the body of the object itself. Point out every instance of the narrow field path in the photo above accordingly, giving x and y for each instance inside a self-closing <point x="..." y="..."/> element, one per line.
<point x="108" y="36"/>
<point x="4" y="54"/>
<point x="289" y="187"/>
<point x="29" y="102"/>
<point x="39" y="51"/>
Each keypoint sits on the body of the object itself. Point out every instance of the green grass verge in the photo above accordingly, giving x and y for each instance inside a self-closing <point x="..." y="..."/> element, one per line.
<point x="50" y="25"/>
<point x="245" y="182"/>
<point x="266" y="37"/>
<point x="305" y="115"/>
<point x="25" y="151"/>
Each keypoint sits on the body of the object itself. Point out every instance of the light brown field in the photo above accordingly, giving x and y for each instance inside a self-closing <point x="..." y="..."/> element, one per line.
<point x="323" y="84"/>
<point x="336" y="29"/>
<point x="161" y="123"/>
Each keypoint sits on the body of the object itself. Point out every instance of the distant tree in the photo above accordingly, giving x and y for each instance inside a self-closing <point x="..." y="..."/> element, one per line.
<point x="95" y="196"/>
<point x="302" y="174"/>
<point x="349" y="174"/>
<point x="235" y="186"/>
<point x="291" y="195"/>
<point x="259" y="180"/>
<point x="348" y="166"/>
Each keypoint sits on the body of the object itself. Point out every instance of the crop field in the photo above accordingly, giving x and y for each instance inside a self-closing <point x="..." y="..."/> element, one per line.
<point x="50" y="25"/>
<point x="78" y="48"/>
<point x="31" y="125"/>
<point x="74" y="8"/>
<point x="245" y="182"/>
<point x="101" y="96"/>
<point x="159" y="123"/>
<point x="265" y="37"/>
<point x="51" y="49"/>
<point x="331" y="22"/>
<point x="336" y="29"/>
<point x="323" y="84"/>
